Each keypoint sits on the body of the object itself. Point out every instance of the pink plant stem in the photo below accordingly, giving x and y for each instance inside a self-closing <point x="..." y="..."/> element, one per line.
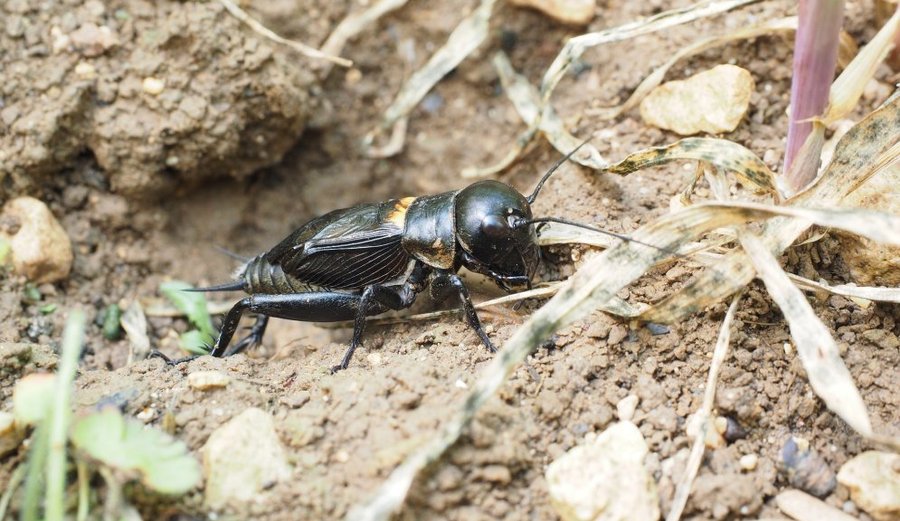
<point x="815" y="58"/>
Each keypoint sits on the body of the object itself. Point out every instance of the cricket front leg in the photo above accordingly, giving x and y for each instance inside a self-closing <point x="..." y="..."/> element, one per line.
<point x="442" y="285"/>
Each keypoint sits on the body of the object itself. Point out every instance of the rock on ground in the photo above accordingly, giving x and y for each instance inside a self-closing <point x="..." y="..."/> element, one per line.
<point x="161" y="93"/>
<point x="586" y="483"/>
<point x="713" y="101"/>
<point x="242" y="458"/>
<point x="873" y="478"/>
<point x="41" y="250"/>
<point x="576" y="12"/>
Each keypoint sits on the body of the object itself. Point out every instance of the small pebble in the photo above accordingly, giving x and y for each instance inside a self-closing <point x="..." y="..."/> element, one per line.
<point x="748" y="462"/>
<point x="803" y="507"/>
<point x="85" y="71"/>
<point x="146" y="414"/>
<point x="806" y="469"/>
<point x="342" y="456"/>
<point x="496" y="474"/>
<point x="627" y="407"/>
<point x="576" y="12"/>
<point x="207" y="380"/>
<point x="153" y="86"/>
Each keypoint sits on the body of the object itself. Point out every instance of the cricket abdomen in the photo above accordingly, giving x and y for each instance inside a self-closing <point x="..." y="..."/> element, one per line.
<point x="261" y="277"/>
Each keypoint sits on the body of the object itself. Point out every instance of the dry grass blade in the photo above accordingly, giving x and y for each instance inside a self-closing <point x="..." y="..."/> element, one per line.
<point x="656" y="77"/>
<point x="864" y="150"/>
<point x="704" y="414"/>
<point x="828" y="376"/>
<point x="465" y="38"/>
<point x="848" y="87"/>
<point x="527" y="102"/>
<point x="134" y="322"/>
<point x="593" y="286"/>
<point x="576" y="46"/>
<point x="723" y="154"/>
<point x="302" y="48"/>
<point x="878" y="226"/>
<point x="354" y="24"/>
<point x="875" y="293"/>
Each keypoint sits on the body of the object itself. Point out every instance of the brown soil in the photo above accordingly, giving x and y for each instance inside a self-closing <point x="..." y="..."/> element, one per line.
<point x="99" y="151"/>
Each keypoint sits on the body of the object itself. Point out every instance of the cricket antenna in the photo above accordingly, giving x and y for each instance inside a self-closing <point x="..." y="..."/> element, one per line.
<point x="526" y="222"/>
<point x="540" y="184"/>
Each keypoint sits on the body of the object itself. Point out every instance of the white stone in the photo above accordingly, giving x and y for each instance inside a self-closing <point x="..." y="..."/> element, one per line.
<point x="207" y="380"/>
<point x="804" y="507"/>
<point x="627" y="407"/>
<point x="587" y="482"/>
<point x="713" y="101"/>
<point x="153" y="86"/>
<point x="576" y="12"/>
<point x="873" y="479"/>
<point x="242" y="458"/>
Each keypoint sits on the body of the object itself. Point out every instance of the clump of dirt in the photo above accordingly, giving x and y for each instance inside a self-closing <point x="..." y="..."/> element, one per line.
<point x="163" y="94"/>
<point x="344" y="433"/>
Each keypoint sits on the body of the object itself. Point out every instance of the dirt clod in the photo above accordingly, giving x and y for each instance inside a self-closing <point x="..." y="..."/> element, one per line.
<point x="242" y="458"/>
<point x="41" y="250"/>
<point x="126" y="84"/>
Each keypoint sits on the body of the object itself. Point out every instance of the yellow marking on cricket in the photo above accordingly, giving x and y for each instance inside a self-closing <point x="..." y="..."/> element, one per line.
<point x="398" y="215"/>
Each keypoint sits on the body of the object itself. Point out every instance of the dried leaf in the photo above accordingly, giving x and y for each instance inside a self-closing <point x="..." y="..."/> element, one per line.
<point x="848" y="87"/>
<point x="723" y="154"/>
<point x="865" y="149"/>
<point x="354" y="24"/>
<point x="527" y="102"/>
<point x="683" y="491"/>
<point x="828" y="376"/>
<point x="467" y="37"/>
<point x="876" y="293"/>
<point x="302" y="48"/>
<point x="576" y="46"/>
<point x="134" y="322"/>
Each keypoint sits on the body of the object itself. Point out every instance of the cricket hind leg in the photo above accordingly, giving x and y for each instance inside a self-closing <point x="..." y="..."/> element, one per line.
<point x="253" y="339"/>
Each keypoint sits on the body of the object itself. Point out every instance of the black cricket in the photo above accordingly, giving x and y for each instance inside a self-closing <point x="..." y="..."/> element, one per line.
<point x="365" y="260"/>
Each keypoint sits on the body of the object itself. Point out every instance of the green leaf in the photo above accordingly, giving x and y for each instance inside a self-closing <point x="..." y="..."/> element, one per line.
<point x="32" y="396"/>
<point x="196" y="342"/>
<point x="192" y="304"/>
<point x="162" y="462"/>
<point x="46" y="309"/>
